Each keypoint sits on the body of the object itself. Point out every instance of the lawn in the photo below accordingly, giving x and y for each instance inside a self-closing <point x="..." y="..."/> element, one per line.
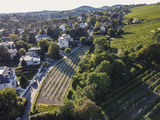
<point x="136" y="34"/>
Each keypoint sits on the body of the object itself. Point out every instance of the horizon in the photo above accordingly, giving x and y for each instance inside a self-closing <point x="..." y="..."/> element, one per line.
<point x="21" y="6"/>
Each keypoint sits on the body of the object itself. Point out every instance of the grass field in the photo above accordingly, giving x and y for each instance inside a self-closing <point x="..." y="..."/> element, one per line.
<point x="136" y="34"/>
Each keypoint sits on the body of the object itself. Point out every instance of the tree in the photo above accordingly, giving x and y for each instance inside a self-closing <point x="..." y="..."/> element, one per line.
<point x="66" y="110"/>
<point x="87" y="111"/>
<point x="24" y="37"/>
<point x="105" y="66"/>
<point x="4" y="55"/>
<point x="1" y="40"/>
<point x="149" y="54"/>
<point x="22" y="44"/>
<point x="43" y="44"/>
<point x="32" y="38"/>
<point x="11" y="105"/>
<point x="83" y="40"/>
<point x="54" y="51"/>
<point x="22" y="51"/>
<point x="13" y="37"/>
<point x="23" y="63"/>
<point x="102" y="82"/>
<point x="118" y="67"/>
<point x="42" y="32"/>
<point x="156" y="35"/>
<point x="67" y="50"/>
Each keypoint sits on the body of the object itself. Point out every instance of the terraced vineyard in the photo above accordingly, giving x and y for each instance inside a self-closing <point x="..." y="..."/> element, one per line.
<point x="135" y="98"/>
<point x="55" y="86"/>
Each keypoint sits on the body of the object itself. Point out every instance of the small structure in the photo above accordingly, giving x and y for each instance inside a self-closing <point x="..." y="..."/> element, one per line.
<point x="62" y="27"/>
<point x="80" y="18"/>
<point x="21" y="31"/>
<point x="42" y="36"/>
<point x="30" y="60"/>
<point x="9" y="45"/>
<point x="83" y="25"/>
<point x="31" y="57"/>
<point x="7" y="78"/>
<point x="5" y="37"/>
<point x="102" y="29"/>
<point x="136" y="21"/>
<point x="64" y="40"/>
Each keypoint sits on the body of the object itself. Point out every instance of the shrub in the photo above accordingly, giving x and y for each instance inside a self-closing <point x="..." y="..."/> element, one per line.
<point x="67" y="50"/>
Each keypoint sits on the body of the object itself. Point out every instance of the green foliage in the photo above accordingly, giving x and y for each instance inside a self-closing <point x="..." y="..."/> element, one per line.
<point x="156" y="35"/>
<point x="24" y="63"/>
<point x="22" y="44"/>
<point x="149" y="54"/>
<point x="83" y="40"/>
<point x="54" y="51"/>
<point x="43" y="44"/>
<point x="4" y="55"/>
<point x="22" y="51"/>
<point x="67" y="50"/>
<point x="136" y="34"/>
<point x="13" y="37"/>
<point x="11" y="105"/>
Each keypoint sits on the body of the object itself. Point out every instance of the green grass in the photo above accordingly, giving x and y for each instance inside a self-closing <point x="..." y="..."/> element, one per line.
<point x="46" y="108"/>
<point x="139" y="33"/>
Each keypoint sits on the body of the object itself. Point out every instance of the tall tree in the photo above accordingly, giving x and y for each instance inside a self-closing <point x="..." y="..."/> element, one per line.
<point x="54" y="51"/>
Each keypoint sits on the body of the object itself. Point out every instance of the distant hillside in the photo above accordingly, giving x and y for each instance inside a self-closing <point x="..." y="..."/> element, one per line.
<point x="140" y="33"/>
<point x="85" y="8"/>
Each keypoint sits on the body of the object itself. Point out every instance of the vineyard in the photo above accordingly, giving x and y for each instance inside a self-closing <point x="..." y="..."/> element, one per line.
<point x="141" y="33"/>
<point x="135" y="98"/>
<point x="58" y="81"/>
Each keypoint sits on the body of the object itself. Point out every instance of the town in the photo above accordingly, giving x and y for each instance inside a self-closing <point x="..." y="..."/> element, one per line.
<point x="77" y="65"/>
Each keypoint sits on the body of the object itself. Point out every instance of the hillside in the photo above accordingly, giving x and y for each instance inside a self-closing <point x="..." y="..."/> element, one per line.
<point x="136" y="34"/>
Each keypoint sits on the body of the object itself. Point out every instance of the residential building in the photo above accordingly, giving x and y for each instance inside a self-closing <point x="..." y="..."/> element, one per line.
<point x="102" y="29"/>
<point x="13" y="53"/>
<point x="83" y="25"/>
<point x="9" y="45"/>
<point x="80" y="18"/>
<point x="62" y="27"/>
<point x="32" y="57"/>
<point x="7" y="78"/>
<point x="64" y="40"/>
<point x="42" y="36"/>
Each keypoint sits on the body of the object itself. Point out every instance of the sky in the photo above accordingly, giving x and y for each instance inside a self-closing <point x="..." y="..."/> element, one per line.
<point x="10" y="6"/>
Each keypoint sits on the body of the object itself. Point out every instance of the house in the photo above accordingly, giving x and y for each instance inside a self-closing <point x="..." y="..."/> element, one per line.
<point x="83" y="25"/>
<point x="21" y="31"/>
<point x="64" y="40"/>
<point x="42" y="36"/>
<point x="9" y="45"/>
<point x="102" y="29"/>
<point x="33" y="51"/>
<point x="80" y="18"/>
<point x="31" y="57"/>
<point x="7" y="78"/>
<point x="136" y="21"/>
<point x="62" y="27"/>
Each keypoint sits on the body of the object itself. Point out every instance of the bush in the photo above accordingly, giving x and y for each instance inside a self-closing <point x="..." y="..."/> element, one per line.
<point x="67" y="50"/>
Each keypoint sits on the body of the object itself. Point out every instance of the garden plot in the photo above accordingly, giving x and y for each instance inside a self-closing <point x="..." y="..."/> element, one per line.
<point x="56" y="85"/>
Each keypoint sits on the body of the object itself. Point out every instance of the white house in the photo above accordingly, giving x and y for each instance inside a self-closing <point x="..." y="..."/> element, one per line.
<point x="7" y="78"/>
<point x="30" y="60"/>
<point x="64" y="40"/>
<point x="136" y="21"/>
<point x="21" y="31"/>
<point x="80" y="18"/>
<point x="62" y="27"/>
<point x="9" y="45"/>
<point x="102" y="29"/>
<point x="32" y="57"/>
<point x="83" y="25"/>
<point x="42" y="36"/>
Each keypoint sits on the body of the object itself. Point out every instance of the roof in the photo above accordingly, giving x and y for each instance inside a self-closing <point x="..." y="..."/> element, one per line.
<point x="42" y="36"/>
<point x="4" y="80"/>
<point x="34" y="49"/>
<point x="29" y="58"/>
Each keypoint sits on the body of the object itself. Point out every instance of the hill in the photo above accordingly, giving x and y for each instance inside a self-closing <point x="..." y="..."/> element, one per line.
<point x="136" y="34"/>
<point x="85" y="8"/>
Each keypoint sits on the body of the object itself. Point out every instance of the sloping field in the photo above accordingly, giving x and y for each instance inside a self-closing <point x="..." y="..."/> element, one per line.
<point x="136" y="98"/>
<point x="136" y="34"/>
<point x="56" y="85"/>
